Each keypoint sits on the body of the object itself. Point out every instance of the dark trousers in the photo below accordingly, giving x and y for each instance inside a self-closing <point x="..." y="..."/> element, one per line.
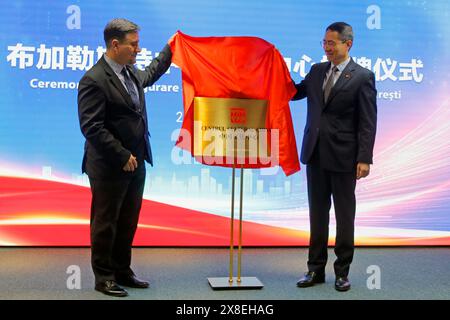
<point x="322" y="185"/>
<point x="115" y="208"/>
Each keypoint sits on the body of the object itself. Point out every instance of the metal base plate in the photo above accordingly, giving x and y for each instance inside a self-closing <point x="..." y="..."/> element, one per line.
<point x="247" y="283"/>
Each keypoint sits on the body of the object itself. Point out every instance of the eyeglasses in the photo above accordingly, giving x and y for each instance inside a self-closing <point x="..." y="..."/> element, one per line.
<point x="329" y="43"/>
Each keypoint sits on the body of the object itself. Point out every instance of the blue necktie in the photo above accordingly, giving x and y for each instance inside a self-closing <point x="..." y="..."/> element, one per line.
<point x="131" y="90"/>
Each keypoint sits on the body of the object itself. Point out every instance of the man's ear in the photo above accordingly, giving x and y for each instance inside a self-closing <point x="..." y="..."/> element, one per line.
<point x="114" y="43"/>
<point x="349" y="44"/>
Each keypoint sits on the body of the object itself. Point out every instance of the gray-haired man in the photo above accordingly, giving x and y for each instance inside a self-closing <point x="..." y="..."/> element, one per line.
<point x="337" y="149"/>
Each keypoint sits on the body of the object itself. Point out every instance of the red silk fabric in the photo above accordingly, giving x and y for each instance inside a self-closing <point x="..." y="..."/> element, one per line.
<point x="238" y="67"/>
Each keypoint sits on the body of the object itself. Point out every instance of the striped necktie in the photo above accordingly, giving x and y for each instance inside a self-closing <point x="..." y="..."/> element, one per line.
<point x="330" y="83"/>
<point x="131" y="90"/>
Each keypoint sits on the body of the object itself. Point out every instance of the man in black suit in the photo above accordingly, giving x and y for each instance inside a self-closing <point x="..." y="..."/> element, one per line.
<point x="337" y="148"/>
<point x="113" y="119"/>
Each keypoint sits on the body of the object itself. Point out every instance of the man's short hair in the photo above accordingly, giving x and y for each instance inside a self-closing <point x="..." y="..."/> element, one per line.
<point x="118" y="29"/>
<point x="344" y="30"/>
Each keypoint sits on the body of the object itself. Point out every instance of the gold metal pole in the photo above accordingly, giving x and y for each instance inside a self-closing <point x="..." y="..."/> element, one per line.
<point x="229" y="283"/>
<point x="240" y="226"/>
<point x="230" y="279"/>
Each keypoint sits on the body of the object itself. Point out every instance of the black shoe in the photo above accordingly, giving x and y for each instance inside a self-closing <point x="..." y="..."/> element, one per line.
<point x="111" y="288"/>
<point x="132" y="282"/>
<point x="342" y="284"/>
<point x="311" y="278"/>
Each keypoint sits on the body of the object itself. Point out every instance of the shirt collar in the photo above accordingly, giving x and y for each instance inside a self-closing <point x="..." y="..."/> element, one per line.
<point x="117" y="67"/>
<point x="342" y="65"/>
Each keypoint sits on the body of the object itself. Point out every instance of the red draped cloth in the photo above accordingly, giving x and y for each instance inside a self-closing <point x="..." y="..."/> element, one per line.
<point x="238" y="67"/>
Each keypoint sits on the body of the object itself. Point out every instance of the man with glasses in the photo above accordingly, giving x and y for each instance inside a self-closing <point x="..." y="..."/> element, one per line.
<point x="337" y="148"/>
<point x="113" y="119"/>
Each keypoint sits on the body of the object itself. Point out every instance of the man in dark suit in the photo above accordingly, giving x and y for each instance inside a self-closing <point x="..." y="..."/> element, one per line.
<point x="113" y="119"/>
<point x="337" y="148"/>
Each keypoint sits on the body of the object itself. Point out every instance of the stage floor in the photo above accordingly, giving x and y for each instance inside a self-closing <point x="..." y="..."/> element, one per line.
<point x="181" y="273"/>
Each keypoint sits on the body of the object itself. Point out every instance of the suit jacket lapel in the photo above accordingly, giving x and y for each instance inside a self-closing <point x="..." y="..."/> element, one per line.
<point x="343" y="80"/>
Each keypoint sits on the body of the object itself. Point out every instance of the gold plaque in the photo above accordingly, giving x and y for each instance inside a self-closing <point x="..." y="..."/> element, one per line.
<point x="230" y="128"/>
